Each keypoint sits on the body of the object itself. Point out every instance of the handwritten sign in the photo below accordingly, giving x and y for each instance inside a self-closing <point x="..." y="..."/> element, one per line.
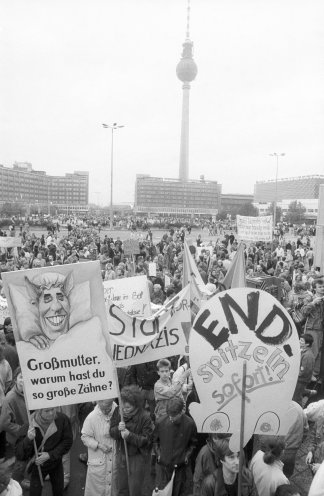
<point x="131" y="246"/>
<point x="152" y="269"/>
<point x="130" y="294"/>
<point x="237" y="326"/>
<point x="254" y="228"/>
<point x="60" y="326"/>
<point x="9" y="242"/>
<point x="164" y="334"/>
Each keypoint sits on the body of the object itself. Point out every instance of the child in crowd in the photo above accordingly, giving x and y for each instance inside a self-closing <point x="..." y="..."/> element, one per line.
<point x="165" y="389"/>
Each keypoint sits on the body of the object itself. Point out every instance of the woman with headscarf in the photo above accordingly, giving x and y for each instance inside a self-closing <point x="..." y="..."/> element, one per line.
<point x="53" y="435"/>
<point x="137" y="430"/>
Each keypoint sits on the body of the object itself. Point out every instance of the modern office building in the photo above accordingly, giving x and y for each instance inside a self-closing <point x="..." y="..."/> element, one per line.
<point x="157" y="195"/>
<point x="21" y="184"/>
<point x="288" y="188"/>
<point x="231" y="200"/>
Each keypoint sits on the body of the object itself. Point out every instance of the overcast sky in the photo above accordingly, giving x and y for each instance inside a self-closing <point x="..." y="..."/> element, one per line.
<point x="69" y="65"/>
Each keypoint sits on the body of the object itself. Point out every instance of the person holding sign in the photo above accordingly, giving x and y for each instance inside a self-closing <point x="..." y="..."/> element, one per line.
<point x="136" y="429"/>
<point x="52" y="433"/>
<point x="101" y="449"/>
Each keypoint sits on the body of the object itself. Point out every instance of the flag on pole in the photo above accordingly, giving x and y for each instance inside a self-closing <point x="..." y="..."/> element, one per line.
<point x="191" y="272"/>
<point x="167" y="491"/>
<point x="235" y="276"/>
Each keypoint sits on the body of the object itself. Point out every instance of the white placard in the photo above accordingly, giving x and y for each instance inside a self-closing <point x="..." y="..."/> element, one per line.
<point x="254" y="228"/>
<point x="9" y="242"/>
<point x="152" y="269"/>
<point x="131" y="294"/>
<point x="164" y="334"/>
<point x="237" y="326"/>
<point x="60" y="326"/>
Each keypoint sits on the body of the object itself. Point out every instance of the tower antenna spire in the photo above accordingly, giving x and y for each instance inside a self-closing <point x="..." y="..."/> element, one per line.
<point x="188" y="21"/>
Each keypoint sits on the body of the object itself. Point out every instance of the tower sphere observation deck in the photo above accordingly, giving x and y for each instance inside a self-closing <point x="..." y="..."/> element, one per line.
<point x="187" y="68"/>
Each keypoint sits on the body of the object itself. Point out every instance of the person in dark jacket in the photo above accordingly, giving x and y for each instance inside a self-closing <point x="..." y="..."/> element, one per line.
<point x="53" y="435"/>
<point x="314" y="314"/>
<point x="137" y="430"/>
<point x="174" y="441"/>
<point x="145" y="376"/>
<point x="12" y="419"/>
<point x="307" y="363"/>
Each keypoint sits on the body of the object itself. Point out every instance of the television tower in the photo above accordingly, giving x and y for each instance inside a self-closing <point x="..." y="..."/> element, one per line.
<point x="186" y="71"/>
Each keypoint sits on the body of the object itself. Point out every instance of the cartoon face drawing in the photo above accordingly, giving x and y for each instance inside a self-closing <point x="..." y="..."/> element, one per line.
<point x="50" y="292"/>
<point x="54" y="310"/>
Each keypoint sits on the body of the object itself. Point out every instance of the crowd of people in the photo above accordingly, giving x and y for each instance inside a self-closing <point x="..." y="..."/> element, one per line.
<point x="147" y="438"/>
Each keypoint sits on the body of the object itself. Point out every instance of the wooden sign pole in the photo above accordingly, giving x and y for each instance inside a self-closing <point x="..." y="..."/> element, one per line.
<point x="239" y="492"/>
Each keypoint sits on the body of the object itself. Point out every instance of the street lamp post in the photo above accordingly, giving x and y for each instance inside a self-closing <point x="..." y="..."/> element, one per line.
<point x="113" y="128"/>
<point x="277" y="155"/>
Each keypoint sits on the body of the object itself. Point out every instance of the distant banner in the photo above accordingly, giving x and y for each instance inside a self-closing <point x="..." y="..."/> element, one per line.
<point x="131" y="246"/>
<point x="8" y="242"/>
<point x="130" y="294"/>
<point x="254" y="228"/>
<point x="165" y="334"/>
<point x="60" y="326"/>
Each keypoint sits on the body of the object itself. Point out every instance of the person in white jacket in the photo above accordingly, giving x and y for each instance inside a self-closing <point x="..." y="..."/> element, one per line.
<point x="101" y="450"/>
<point x="317" y="484"/>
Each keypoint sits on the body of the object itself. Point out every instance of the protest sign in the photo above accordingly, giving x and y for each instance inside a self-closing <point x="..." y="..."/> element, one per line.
<point x="166" y="333"/>
<point x="9" y="242"/>
<point x="203" y="249"/>
<point x="152" y="269"/>
<point x="235" y="327"/>
<point x="131" y="247"/>
<point x="254" y="228"/>
<point x="131" y="294"/>
<point x="167" y="280"/>
<point x="60" y="326"/>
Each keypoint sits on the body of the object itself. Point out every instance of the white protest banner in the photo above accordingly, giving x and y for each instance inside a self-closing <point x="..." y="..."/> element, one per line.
<point x="254" y="228"/>
<point x="234" y="327"/>
<point x="152" y="269"/>
<point x="203" y="249"/>
<point x="131" y="246"/>
<point x="131" y="294"/>
<point x="60" y="326"/>
<point x="9" y="242"/>
<point x="164" y="334"/>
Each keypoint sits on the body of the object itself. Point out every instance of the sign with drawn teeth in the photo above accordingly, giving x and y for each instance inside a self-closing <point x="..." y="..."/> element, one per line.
<point x="60" y="326"/>
<point x="233" y="327"/>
